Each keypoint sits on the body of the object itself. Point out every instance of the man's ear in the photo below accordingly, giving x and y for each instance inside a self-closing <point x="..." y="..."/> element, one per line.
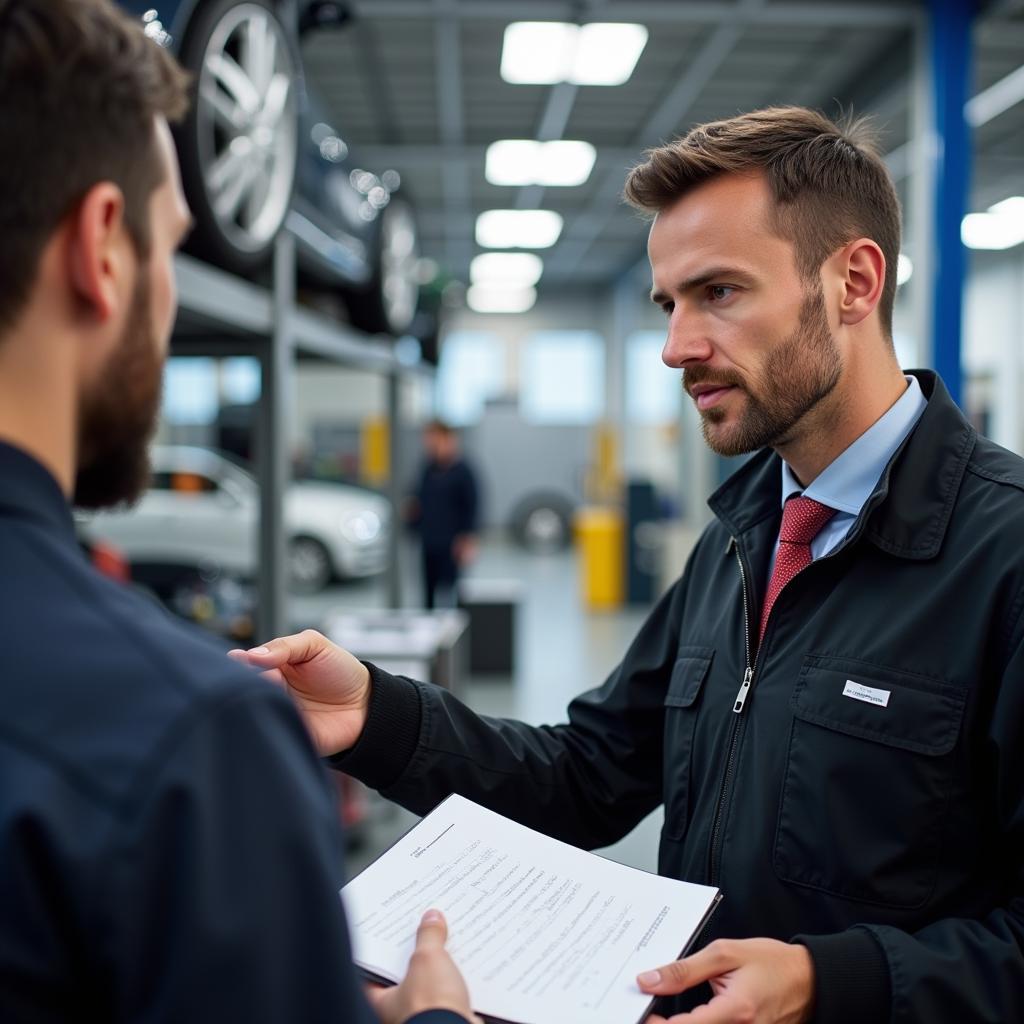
<point x="96" y="250"/>
<point x="861" y="265"/>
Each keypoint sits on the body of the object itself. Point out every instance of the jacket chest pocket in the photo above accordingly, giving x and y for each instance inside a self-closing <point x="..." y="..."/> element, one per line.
<point x="867" y="780"/>
<point x="681" y="709"/>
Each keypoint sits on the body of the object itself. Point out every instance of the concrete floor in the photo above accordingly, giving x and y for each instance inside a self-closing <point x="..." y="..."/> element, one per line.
<point x="561" y="651"/>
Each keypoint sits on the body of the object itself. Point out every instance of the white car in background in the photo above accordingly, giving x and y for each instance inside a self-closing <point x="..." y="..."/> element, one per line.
<point x="201" y="511"/>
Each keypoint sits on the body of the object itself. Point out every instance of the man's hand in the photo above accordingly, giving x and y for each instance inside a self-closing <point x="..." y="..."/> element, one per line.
<point x="433" y="982"/>
<point x="330" y="687"/>
<point x="755" y="981"/>
<point x="464" y="549"/>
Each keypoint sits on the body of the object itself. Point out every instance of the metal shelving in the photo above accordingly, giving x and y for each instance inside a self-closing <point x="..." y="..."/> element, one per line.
<point x="221" y="315"/>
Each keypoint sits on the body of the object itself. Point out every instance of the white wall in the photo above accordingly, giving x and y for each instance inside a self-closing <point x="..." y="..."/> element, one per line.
<point x="993" y="334"/>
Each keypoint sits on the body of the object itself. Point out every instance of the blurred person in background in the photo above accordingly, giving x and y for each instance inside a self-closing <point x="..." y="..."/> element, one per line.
<point x="829" y="702"/>
<point x="169" y="847"/>
<point x="444" y="512"/>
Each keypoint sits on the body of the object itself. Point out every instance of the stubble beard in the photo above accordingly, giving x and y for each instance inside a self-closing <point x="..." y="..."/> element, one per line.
<point x="797" y="375"/>
<point x="118" y="418"/>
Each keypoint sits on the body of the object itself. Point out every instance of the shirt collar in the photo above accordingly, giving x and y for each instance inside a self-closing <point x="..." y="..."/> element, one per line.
<point x="848" y="481"/>
<point x="28" y="489"/>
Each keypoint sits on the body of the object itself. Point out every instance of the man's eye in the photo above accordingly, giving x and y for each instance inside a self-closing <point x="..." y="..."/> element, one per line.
<point x="719" y="292"/>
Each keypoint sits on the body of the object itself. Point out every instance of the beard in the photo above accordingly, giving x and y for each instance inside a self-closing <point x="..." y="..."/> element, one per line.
<point x="798" y="373"/>
<point x="118" y="417"/>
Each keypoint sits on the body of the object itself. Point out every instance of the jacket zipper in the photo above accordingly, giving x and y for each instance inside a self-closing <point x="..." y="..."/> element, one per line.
<point x="738" y="721"/>
<point x="714" y="850"/>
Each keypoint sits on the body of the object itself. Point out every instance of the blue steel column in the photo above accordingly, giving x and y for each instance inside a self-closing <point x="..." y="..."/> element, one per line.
<point x="951" y="46"/>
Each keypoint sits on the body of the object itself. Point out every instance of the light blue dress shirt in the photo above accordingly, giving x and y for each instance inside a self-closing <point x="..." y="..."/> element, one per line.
<point x="846" y="483"/>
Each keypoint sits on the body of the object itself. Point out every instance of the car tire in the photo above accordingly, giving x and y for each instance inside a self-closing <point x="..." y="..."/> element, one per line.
<point x="238" y="145"/>
<point x="388" y="304"/>
<point x="309" y="565"/>
<point x="542" y="523"/>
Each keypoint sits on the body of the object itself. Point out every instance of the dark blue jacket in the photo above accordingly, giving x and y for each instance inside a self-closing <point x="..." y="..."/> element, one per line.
<point x="447" y="503"/>
<point x="169" y="846"/>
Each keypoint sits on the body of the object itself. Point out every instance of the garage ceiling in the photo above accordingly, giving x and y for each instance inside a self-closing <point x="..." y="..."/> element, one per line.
<point x="414" y="85"/>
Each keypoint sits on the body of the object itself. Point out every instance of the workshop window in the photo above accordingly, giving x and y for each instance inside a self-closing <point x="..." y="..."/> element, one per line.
<point x="562" y="377"/>
<point x="471" y="371"/>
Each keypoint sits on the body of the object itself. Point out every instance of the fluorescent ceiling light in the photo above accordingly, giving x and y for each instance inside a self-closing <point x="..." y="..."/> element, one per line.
<point x="527" y="162"/>
<point x="518" y="229"/>
<point x="546" y="52"/>
<point x="486" y="298"/>
<point x="1002" y="227"/>
<point x="607" y="53"/>
<point x="904" y="269"/>
<point x="506" y="268"/>
<point x="538" y="52"/>
<point x="991" y="102"/>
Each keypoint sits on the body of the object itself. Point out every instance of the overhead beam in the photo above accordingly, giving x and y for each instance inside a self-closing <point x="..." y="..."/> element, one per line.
<point x="669" y="12"/>
<point x="420" y="155"/>
<point x="456" y="177"/>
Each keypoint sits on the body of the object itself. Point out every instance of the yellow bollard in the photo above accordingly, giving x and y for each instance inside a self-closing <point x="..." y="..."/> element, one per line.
<point x="375" y="451"/>
<point x="600" y="532"/>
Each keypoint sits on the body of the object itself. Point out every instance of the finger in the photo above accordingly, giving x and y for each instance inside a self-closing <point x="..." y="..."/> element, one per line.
<point x="680" y="975"/>
<point x="242" y="657"/>
<point x="432" y="932"/>
<point x="721" y="1010"/>
<point x="288" y="650"/>
<point x="378" y="997"/>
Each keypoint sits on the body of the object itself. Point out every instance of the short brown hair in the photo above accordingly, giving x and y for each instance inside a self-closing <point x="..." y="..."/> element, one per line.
<point x="828" y="181"/>
<point x="81" y="85"/>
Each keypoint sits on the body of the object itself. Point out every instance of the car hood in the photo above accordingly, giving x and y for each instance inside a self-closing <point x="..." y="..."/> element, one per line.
<point x="339" y="499"/>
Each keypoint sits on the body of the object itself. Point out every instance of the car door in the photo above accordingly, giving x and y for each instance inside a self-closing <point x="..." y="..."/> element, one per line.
<point x="214" y="523"/>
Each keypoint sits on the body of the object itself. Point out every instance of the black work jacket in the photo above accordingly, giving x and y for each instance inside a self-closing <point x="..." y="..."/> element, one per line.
<point x="887" y="836"/>
<point x="169" y="845"/>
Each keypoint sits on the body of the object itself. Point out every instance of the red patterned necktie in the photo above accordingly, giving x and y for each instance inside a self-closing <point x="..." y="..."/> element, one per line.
<point x="802" y="520"/>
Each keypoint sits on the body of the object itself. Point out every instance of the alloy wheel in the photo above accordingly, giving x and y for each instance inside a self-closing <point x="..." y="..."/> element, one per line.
<point x="246" y="121"/>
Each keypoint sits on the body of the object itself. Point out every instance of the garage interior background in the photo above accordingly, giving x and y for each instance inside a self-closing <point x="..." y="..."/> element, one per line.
<point x="549" y="361"/>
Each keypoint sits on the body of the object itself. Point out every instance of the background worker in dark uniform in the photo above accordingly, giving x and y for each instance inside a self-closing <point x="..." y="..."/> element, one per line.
<point x="444" y="510"/>
<point x="169" y="848"/>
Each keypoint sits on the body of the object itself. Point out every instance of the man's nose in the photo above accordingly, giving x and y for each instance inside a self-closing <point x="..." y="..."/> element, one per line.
<point x="687" y="343"/>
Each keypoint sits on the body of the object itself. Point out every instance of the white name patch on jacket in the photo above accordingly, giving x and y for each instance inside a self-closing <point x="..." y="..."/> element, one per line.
<point x="868" y="694"/>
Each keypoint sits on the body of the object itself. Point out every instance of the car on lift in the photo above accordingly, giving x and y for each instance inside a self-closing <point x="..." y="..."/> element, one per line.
<point x="256" y="153"/>
<point x="200" y="514"/>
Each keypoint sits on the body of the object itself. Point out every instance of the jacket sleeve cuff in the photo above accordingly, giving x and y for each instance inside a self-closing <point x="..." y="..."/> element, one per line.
<point x="391" y="733"/>
<point x="851" y="977"/>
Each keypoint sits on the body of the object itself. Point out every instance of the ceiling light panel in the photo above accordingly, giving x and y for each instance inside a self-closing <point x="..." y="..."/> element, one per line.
<point x="484" y="298"/>
<point x="538" y="52"/>
<point x="1002" y="227"/>
<point x="506" y="268"/>
<point x="546" y="52"/>
<point x="527" y="162"/>
<point x="607" y="53"/>
<point x="518" y="229"/>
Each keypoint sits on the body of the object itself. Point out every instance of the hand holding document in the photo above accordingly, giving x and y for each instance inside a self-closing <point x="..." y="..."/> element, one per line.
<point x="543" y="932"/>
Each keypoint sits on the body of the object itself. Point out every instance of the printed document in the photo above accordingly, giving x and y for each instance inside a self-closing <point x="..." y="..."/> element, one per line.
<point x="543" y="933"/>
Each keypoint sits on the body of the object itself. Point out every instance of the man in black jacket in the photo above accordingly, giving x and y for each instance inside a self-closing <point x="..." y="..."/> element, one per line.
<point x="830" y="701"/>
<point x="169" y="847"/>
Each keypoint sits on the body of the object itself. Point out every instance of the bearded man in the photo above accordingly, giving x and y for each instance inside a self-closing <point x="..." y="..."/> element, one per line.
<point x="830" y="701"/>
<point x="169" y="849"/>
